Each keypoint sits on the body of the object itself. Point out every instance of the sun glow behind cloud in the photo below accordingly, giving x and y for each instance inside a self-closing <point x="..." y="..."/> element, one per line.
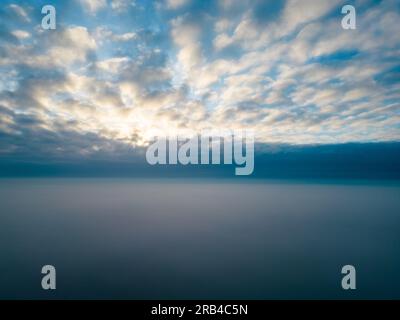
<point x="114" y="71"/>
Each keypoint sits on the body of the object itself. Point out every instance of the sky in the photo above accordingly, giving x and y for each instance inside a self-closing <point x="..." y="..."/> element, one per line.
<point x="113" y="70"/>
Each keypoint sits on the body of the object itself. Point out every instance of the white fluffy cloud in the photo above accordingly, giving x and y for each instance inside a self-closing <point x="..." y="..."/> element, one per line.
<point x="71" y="45"/>
<point x="92" y="6"/>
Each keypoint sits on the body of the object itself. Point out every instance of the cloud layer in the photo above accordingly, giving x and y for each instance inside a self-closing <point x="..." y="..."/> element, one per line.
<point x="114" y="70"/>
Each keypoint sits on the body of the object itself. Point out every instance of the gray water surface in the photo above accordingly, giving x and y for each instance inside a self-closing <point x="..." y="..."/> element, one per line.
<point x="154" y="239"/>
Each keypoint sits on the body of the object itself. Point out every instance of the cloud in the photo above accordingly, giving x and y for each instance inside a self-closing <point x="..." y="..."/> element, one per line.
<point x="70" y="45"/>
<point x="175" y="4"/>
<point x="122" y="5"/>
<point x="222" y="41"/>
<point x="93" y="6"/>
<point x="20" y="12"/>
<point x="293" y="78"/>
<point x="186" y="36"/>
<point x="298" y="12"/>
<point x="21" y="34"/>
<point x="125" y="36"/>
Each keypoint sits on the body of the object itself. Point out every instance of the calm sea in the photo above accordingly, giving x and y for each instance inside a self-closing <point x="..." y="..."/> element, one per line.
<point x="176" y="239"/>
